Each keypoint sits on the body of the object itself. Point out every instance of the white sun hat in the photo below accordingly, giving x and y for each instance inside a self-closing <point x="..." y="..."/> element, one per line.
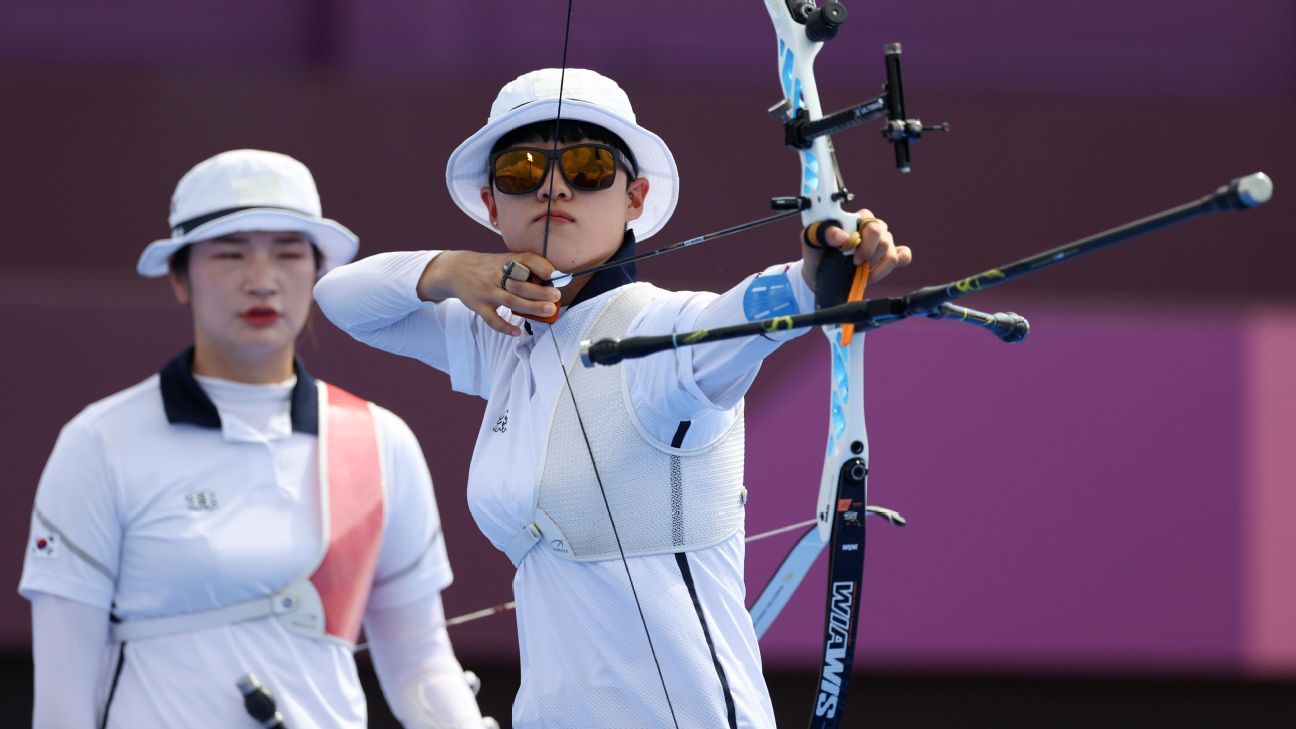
<point x="586" y="96"/>
<point x="242" y="191"/>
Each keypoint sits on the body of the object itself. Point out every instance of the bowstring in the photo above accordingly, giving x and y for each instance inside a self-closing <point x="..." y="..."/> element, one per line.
<point x="544" y="252"/>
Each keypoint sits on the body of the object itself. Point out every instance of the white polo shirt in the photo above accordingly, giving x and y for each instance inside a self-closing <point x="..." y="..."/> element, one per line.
<point x="175" y="496"/>
<point x="585" y="659"/>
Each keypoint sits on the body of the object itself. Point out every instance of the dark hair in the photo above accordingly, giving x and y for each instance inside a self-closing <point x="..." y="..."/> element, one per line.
<point x="569" y="130"/>
<point x="179" y="261"/>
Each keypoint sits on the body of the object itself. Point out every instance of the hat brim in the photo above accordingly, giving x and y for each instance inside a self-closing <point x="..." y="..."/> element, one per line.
<point x="337" y="244"/>
<point x="466" y="169"/>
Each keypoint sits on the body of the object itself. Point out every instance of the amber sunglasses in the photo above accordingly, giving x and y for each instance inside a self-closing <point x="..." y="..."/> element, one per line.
<point x="586" y="167"/>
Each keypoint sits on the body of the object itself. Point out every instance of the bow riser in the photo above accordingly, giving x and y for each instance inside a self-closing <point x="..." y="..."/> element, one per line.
<point x="820" y="181"/>
<point x="843" y="485"/>
<point x="820" y="185"/>
<point x="847" y="436"/>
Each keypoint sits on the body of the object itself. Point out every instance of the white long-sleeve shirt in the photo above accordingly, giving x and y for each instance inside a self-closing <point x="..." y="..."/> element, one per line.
<point x="143" y="517"/>
<point x="585" y="659"/>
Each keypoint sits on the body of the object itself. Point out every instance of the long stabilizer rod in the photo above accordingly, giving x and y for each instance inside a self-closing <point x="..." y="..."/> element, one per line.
<point x="1242" y="193"/>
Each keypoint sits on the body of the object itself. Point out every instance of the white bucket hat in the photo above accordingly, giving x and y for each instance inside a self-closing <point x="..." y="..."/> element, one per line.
<point x="586" y="96"/>
<point x="246" y="190"/>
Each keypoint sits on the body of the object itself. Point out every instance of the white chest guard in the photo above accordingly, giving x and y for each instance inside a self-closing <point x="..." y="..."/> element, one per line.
<point x="662" y="498"/>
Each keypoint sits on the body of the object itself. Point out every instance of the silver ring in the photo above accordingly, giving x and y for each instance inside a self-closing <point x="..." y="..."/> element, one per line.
<point x="514" y="270"/>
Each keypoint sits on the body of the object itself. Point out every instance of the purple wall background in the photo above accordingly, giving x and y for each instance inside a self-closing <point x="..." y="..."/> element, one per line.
<point x="1112" y="495"/>
<point x="1073" y="501"/>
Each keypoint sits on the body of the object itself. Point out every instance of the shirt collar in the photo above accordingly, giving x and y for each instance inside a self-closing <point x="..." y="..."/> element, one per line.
<point x="186" y="402"/>
<point x="611" y="278"/>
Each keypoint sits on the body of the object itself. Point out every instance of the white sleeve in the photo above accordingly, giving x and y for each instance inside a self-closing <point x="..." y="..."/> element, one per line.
<point x="707" y="377"/>
<point x="375" y="300"/>
<point x="416" y="666"/>
<point x="68" y="671"/>
<point x="412" y="563"/>
<point x="76" y="533"/>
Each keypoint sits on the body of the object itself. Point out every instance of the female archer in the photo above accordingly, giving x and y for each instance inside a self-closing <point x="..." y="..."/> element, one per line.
<point x="616" y="492"/>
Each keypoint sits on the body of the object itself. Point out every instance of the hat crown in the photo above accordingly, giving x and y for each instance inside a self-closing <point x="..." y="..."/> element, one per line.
<point x="578" y="84"/>
<point x="587" y="97"/>
<point x="244" y="178"/>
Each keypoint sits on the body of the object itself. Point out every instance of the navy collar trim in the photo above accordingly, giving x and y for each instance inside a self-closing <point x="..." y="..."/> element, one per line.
<point x="186" y="402"/>
<point x="611" y="278"/>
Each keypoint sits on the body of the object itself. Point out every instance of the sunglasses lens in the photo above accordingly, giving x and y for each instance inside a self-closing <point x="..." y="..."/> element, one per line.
<point x="588" y="168"/>
<point x="519" y="171"/>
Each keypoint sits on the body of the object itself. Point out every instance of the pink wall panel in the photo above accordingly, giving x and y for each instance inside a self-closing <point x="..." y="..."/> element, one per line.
<point x="1269" y="501"/>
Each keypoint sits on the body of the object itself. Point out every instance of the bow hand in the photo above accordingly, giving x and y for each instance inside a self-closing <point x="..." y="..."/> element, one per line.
<point x="871" y="243"/>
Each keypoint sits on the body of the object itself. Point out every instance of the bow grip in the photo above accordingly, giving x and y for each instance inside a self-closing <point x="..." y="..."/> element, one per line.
<point x="836" y="269"/>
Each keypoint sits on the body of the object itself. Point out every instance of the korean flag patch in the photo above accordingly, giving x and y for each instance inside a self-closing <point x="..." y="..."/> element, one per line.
<point x="45" y="545"/>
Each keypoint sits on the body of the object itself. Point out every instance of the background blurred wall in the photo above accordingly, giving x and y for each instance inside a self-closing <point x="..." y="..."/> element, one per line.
<point x="1112" y="495"/>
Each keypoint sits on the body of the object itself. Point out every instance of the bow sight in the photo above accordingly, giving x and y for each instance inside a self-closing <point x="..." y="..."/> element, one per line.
<point x="799" y="132"/>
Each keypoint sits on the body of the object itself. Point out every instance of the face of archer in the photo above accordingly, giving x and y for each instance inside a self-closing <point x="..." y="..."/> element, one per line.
<point x="250" y="293"/>
<point x="585" y="226"/>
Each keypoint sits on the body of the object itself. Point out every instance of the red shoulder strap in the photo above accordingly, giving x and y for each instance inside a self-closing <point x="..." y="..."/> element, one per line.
<point x="351" y="479"/>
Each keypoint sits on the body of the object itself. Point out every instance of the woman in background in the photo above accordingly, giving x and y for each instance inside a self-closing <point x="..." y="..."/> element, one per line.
<point x="231" y="514"/>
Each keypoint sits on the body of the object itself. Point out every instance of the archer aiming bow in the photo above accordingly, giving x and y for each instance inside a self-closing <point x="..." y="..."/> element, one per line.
<point x="802" y="28"/>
